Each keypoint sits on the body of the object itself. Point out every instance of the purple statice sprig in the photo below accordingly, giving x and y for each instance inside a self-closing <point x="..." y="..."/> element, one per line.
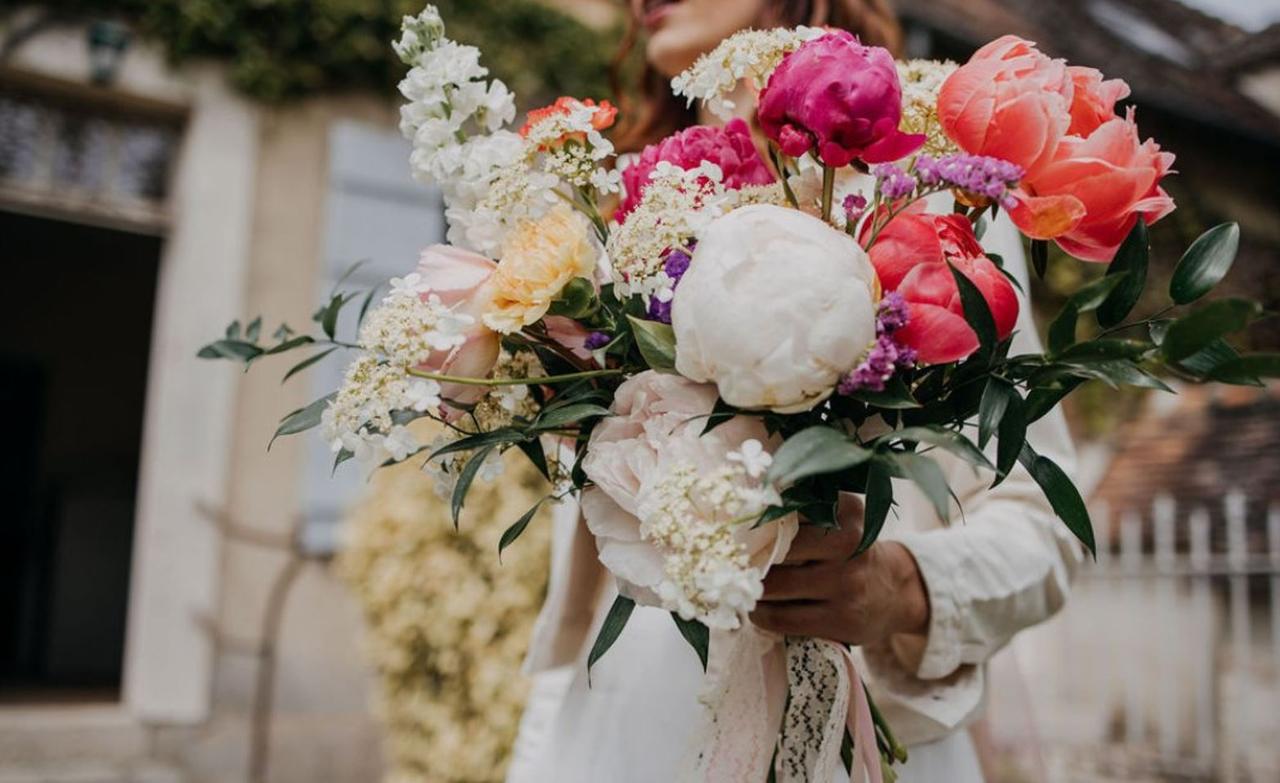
<point x="597" y="340"/>
<point x="675" y="264"/>
<point x="990" y="178"/>
<point x="894" y="181"/>
<point x="886" y="356"/>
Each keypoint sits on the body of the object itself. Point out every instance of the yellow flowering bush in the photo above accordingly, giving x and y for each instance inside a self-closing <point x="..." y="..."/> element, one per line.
<point x="448" y="624"/>
<point x="539" y="259"/>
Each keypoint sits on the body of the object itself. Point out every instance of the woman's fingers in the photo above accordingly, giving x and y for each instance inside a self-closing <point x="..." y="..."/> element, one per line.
<point x="818" y="543"/>
<point x="792" y="619"/>
<point x="810" y="582"/>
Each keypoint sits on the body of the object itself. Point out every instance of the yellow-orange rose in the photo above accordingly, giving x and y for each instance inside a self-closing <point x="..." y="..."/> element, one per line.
<point x="538" y="259"/>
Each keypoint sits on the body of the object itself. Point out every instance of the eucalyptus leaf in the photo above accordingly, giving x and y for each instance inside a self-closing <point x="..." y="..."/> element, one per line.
<point x="1205" y="263"/>
<point x="516" y="530"/>
<point x="696" y="634"/>
<point x="657" y="343"/>
<point x="926" y="474"/>
<point x="1131" y="261"/>
<point x="610" y="630"/>
<point x="879" y="499"/>
<point x="816" y="451"/>
<point x="1062" y="495"/>
<point x="465" y="478"/>
<point x="1194" y="332"/>
<point x="302" y="419"/>
<point x="976" y="312"/>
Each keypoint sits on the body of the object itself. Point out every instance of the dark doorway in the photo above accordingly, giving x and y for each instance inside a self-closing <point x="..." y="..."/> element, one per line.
<point x="75" y="339"/>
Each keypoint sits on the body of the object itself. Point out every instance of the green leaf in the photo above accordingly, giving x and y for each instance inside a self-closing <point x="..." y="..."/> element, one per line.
<point x="1246" y="370"/>
<point x="291" y="343"/>
<point x="657" y="343"/>
<point x="896" y="396"/>
<point x="944" y="439"/>
<point x="299" y="367"/>
<point x="1194" y="332"/>
<point x="1039" y="256"/>
<point x="480" y="440"/>
<point x="879" y="500"/>
<point x="343" y="456"/>
<point x="554" y="418"/>
<point x="1062" y="494"/>
<point x="1041" y="401"/>
<point x="926" y="474"/>
<point x="1131" y="261"/>
<point x="1104" y="349"/>
<point x="995" y="401"/>
<point x="696" y="634"/>
<point x="364" y="306"/>
<point x="976" y="312"/>
<point x="1126" y="373"/>
<point x="813" y="452"/>
<point x="253" y="330"/>
<point x="302" y="419"/>
<point x="1062" y="332"/>
<point x="532" y="449"/>
<point x="614" y="622"/>
<point x="516" y="530"/>
<point x="576" y="300"/>
<point x="233" y="331"/>
<point x="327" y="316"/>
<point x="235" y="350"/>
<point x="1010" y="436"/>
<point x="1205" y="263"/>
<point x="465" y="479"/>
<point x="351" y="270"/>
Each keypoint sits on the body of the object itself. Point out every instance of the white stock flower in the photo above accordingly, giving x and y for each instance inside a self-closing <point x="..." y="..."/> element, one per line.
<point x="752" y="457"/>
<point x="802" y="311"/>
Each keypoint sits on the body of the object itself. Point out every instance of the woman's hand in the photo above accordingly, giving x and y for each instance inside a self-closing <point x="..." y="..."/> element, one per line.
<point x="822" y="591"/>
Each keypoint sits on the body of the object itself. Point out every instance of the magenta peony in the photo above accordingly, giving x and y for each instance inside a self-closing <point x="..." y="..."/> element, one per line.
<point x="840" y="99"/>
<point x="730" y="148"/>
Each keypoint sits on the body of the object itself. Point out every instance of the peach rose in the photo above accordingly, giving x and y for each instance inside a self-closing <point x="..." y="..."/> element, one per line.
<point x="460" y="279"/>
<point x="1009" y="101"/>
<point x="1093" y="191"/>
<point x="539" y="259"/>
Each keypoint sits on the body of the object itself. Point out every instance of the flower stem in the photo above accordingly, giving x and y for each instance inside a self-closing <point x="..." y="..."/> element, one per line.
<point x="546" y="381"/>
<point x="828" y="191"/>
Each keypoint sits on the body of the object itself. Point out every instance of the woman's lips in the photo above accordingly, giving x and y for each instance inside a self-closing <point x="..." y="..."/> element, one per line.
<point x="656" y="12"/>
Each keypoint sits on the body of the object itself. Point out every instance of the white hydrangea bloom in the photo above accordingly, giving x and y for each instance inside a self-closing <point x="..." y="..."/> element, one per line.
<point x="750" y="55"/>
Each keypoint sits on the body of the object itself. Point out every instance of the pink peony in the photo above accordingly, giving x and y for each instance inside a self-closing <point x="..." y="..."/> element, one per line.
<point x="839" y="98"/>
<point x="1009" y="101"/>
<point x="1095" y="189"/>
<point x="911" y="257"/>
<point x="730" y="148"/>
<point x="460" y="279"/>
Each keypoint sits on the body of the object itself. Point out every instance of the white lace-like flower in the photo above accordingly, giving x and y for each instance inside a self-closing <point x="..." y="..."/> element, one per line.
<point x="361" y="417"/>
<point x="752" y="457"/>
<point x="750" y="55"/>
<point x="921" y="82"/>
<point x="405" y="330"/>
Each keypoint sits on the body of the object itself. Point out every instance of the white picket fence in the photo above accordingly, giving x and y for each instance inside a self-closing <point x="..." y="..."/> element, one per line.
<point x="1166" y="663"/>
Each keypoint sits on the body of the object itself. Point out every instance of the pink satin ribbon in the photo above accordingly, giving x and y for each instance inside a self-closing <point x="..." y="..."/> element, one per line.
<point x="866" y="759"/>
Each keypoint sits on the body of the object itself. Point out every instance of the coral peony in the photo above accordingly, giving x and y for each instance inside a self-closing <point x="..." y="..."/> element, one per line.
<point x="1095" y="189"/>
<point x="775" y="308"/>
<point x="1009" y="101"/>
<point x="911" y="256"/>
<point x="1094" y="100"/>
<point x="460" y="280"/>
<point x="539" y="259"/>
<point x="839" y="98"/>
<point x="730" y="148"/>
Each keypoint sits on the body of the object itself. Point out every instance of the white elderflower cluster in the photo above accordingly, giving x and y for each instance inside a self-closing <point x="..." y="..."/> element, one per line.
<point x="921" y="82"/>
<point x="750" y="55"/>
<point x="694" y="518"/>
<point x="454" y="117"/>
<point x="361" y="419"/>
<point x="497" y="409"/>
<point x="567" y="144"/>
<point x="406" y="328"/>
<point x="516" y="194"/>
<point x="677" y="205"/>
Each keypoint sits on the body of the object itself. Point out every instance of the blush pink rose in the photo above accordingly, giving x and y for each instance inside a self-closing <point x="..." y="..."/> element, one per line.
<point x="460" y="279"/>
<point x="658" y="417"/>
<point x="1009" y="101"/>
<point x="911" y="257"/>
<point x="839" y="98"/>
<point x="730" y="148"/>
<point x="1095" y="189"/>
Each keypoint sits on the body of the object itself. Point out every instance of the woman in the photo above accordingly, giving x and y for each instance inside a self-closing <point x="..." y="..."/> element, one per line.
<point x="928" y="605"/>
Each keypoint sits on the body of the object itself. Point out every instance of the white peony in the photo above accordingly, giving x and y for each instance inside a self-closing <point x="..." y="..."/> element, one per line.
<point x="775" y="307"/>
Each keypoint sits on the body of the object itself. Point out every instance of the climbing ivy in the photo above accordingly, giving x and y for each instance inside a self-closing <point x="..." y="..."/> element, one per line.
<point x="284" y="49"/>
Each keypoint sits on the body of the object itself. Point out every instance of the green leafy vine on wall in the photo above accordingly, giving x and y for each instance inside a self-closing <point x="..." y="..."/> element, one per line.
<point x="283" y="49"/>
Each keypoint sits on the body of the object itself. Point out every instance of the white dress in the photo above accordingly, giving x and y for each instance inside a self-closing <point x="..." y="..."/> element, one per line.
<point x="1006" y="566"/>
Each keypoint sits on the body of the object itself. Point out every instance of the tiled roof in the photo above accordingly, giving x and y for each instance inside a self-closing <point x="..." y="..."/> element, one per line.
<point x="1168" y="52"/>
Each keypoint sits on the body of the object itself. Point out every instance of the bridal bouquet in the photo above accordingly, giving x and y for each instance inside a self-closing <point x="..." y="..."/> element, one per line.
<point x="709" y="346"/>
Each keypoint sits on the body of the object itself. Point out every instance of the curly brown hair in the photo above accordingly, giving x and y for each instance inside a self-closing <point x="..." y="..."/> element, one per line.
<point x="659" y="113"/>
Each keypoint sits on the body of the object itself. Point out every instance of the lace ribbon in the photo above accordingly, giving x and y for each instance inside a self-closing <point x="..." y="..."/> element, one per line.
<point x="749" y="676"/>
